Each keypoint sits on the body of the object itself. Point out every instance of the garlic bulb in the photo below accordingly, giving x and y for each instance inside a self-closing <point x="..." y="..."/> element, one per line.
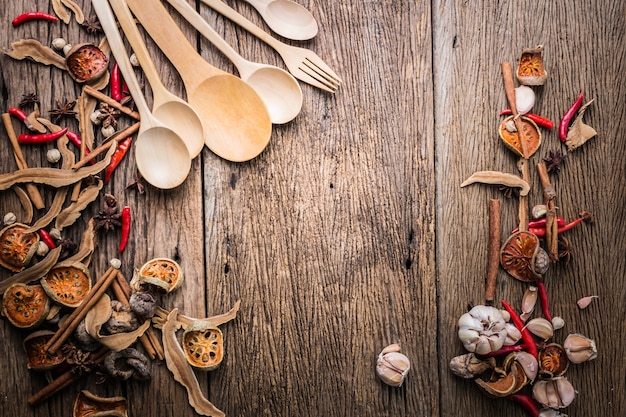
<point x="482" y="329"/>
<point x="392" y="366"/>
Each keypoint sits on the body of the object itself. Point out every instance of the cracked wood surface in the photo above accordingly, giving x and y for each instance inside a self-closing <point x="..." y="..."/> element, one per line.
<point x="350" y="231"/>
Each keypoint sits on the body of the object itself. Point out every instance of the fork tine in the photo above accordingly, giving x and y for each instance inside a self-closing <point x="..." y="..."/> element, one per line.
<point x="315" y="63"/>
<point x="316" y="69"/>
<point x="304" y="73"/>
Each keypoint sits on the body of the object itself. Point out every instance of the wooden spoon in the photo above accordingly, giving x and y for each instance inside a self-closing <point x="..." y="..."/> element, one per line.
<point x="237" y="124"/>
<point x="278" y="89"/>
<point x="287" y="18"/>
<point x="176" y="113"/>
<point x="161" y="155"/>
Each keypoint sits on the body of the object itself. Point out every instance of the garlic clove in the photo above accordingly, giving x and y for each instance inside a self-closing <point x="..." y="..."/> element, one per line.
<point x="392" y="367"/>
<point x="524" y="99"/>
<point x="529" y="363"/>
<point x="529" y="300"/>
<point x="558" y="323"/>
<point x="540" y="327"/>
<point x="585" y="301"/>
<point x="513" y="335"/>
<point x="565" y="390"/>
<point x="580" y="348"/>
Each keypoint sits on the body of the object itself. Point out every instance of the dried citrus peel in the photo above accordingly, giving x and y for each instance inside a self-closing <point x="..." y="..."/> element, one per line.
<point x="498" y="178"/>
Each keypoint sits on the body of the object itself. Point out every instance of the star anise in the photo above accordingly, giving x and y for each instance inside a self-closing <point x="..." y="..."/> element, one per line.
<point x="565" y="251"/>
<point x="107" y="115"/>
<point x="554" y="161"/>
<point x="79" y="359"/>
<point x="137" y="184"/>
<point x="509" y="192"/>
<point x="108" y="218"/>
<point x="28" y="99"/>
<point x="92" y="25"/>
<point x="63" y="110"/>
<point x="68" y="248"/>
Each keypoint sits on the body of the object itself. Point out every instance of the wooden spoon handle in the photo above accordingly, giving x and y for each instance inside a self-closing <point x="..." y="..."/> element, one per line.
<point x="156" y="20"/>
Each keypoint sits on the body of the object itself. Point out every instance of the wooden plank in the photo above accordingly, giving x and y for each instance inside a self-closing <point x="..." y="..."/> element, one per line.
<point x="470" y="42"/>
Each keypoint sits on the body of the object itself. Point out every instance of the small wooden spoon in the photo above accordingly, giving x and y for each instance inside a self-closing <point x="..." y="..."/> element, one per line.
<point x="176" y="113"/>
<point x="161" y="155"/>
<point x="237" y="124"/>
<point x="278" y="89"/>
<point x="287" y="18"/>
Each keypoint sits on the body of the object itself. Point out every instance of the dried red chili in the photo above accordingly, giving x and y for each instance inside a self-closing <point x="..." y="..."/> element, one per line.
<point x="116" y="83"/>
<point x="19" y="113"/>
<point x="540" y="120"/>
<point x="120" y="152"/>
<point x="569" y="116"/>
<point x="543" y="299"/>
<point x="541" y="231"/>
<point x="527" y="337"/>
<point x="28" y="16"/>
<point x="526" y="402"/>
<point x="125" y="228"/>
<point x="28" y="138"/>
<point x="46" y="238"/>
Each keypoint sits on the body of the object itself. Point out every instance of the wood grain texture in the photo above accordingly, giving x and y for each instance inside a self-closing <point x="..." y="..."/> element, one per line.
<point x="350" y="231"/>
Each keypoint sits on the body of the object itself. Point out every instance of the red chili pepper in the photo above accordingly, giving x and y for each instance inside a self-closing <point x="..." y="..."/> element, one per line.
<point x="540" y="120"/>
<point x="28" y="138"/>
<point x="541" y="231"/>
<point x="25" y="17"/>
<point x="120" y="152"/>
<point x="504" y="350"/>
<point x="543" y="299"/>
<point x="527" y="337"/>
<point x="125" y="228"/>
<point x="567" y="118"/>
<point x="116" y="83"/>
<point x="541" y="223"/>
<point x="526" y="402"/>
<point x="19" y="113"/>
<point x="46" y="238"/>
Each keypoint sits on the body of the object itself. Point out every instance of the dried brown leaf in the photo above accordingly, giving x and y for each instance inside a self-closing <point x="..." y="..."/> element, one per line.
<point x="579" y="132"/>
<point x="71" y="213"/>
<point x="31" y="48"/>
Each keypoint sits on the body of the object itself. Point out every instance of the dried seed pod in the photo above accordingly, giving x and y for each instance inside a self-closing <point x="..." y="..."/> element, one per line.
<point x="554" y="393"/>
<point x="164" y="273"/>
<point x="530" y="134"/>
<point x="39" y="359"/>
<point x="17" y="248"/>
<point x="203" y="344"/>
<point x="470" y="366"/>
<point x="25" y="306"/>
<point x="580" y="348"/>
<point x="585" y="301"/>
<point x="392" y="366"/>
<point x="553" y="361"/>
<point x="67" y="285"/>
<point x="511" y="382"/>
<point x="540" y="327"/>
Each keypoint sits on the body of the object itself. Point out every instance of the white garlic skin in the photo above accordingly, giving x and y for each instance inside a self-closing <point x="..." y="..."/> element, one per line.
<point x="392" y="366"/>
<point x="482" y="329"/>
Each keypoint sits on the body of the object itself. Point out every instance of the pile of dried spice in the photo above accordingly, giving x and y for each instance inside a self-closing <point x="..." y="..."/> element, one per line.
<point x="510" y="353"/>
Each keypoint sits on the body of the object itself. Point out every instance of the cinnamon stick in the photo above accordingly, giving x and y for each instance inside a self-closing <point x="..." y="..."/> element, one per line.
<point x="493" y="264"/>
<point x="33" y="191"/>
<point x="71" y="323"/>
<point x="552" y="227"/>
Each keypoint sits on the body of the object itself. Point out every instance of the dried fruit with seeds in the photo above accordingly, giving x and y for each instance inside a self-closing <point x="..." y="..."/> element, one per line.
<point x="25" y="306"/>
<point x="86" y="62"/>
<point x="39" y="359"/>
<point x="164" y="273"/>
<point x="17" y="248"/>
<point x="553" y="361"/>
<point x="530" y="69"/>
<point x="67" y="285"/>
<point x="517" y="256"/>
<point x="203" y="344"/>
<point x="531" y="135"/>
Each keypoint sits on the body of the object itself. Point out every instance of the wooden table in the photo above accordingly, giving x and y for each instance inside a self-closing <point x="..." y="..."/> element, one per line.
<point x="350" y="231"/>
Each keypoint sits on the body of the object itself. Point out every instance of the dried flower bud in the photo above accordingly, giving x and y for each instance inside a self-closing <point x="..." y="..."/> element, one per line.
<point x="58" y="43"/>
<point x="557" y="323"/>
<point x="585" y="301"/>
<point x="392" y="366"/>
<point x="540" y="327"/>
<point x="554" y="393"/>
<point x="9" y="218"/>
<point x="115" y="263"/>
<point x="580" y="348"/>
<point x="53" y="155"/>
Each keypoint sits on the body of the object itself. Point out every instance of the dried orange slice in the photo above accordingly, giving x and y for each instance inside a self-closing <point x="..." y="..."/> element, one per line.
<point x="16" y="247"/>
<point x="530" y="135"/>
<point x="164" y="273"/>
<point x="203" y="344"/>
<point x="67" y="285"/>
<point x="517" y="256"/>
<point x="530" y="69"/>
<point x="39" y="359"/>
<point x="86" y="62"/>
<point x="25" y="306"/>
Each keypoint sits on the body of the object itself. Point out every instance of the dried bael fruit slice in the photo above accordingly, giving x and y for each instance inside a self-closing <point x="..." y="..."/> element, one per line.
<point x="511" y="138"/>
<point x="530" y="70"/>
<point x="500" y="387"/>
<point x="17" y="248"/>
<point x="517" y="256"/>
<point x="88" y="404"/>
<point x="203" y="344"/>
<point x="26" y="306"/>
<point x="39" y="359"/>
<point x="67" y="285"/>
<point x="86" y="62"/>
<point x="164" y="273"/>
<point x="553" y="361"/>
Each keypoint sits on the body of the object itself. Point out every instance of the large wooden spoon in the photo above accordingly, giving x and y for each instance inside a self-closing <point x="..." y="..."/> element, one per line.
<point x="237" y="124"/>
<point x="278" y="89"/>
<point x="176" y="113"/>
<point x="161" y="155"/>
